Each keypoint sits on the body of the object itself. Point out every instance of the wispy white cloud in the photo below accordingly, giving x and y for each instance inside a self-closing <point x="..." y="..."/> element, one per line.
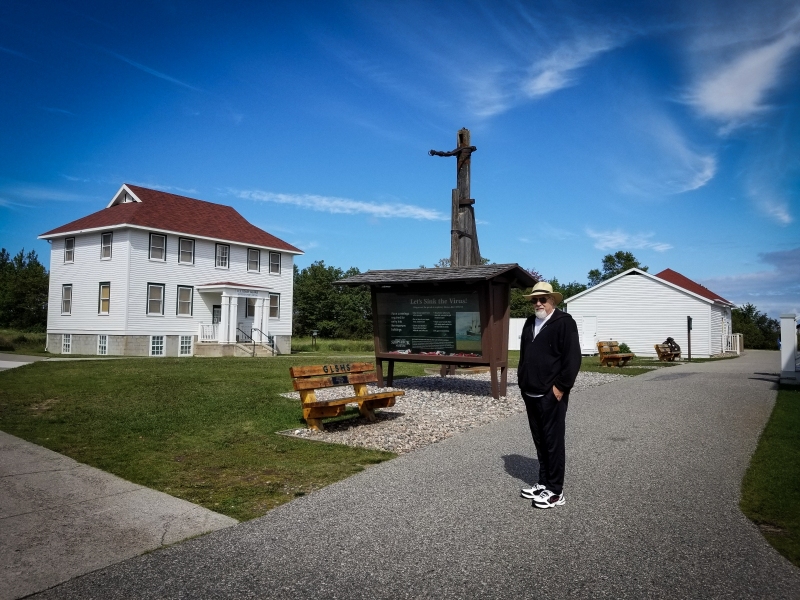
<point x="335" y="205"/>
<point x="15" y="53"/>
<point x="152" y="72"/>
<point x="59" y="111"/>
<point x="45" y="194"/>
<point x="621" y="240"/>
<point x="769" y="202"/>
<point x="774" y="290"/>
<point x="558" y="69"/>
<point x="737" y="89"/>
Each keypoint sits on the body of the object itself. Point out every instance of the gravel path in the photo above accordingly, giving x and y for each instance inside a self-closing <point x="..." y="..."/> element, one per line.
<point x="432" y="409"/>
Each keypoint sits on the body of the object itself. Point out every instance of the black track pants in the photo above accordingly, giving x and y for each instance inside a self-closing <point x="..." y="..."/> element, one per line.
<point x="547" y="419"/>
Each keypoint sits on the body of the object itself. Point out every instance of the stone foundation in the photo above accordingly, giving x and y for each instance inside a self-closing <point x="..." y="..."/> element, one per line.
<point x="139" y="345"/>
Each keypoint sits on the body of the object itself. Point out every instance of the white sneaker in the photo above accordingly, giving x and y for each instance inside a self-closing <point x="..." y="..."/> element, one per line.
<point x="531" y="492"/>
<point x="548" y="499"/>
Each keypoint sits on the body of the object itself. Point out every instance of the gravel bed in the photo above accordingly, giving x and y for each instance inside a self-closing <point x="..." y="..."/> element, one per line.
<point x="432" y="409"/>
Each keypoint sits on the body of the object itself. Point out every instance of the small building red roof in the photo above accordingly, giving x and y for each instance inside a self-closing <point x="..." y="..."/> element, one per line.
<point x="682" y="281"/>
<point x="178" y="214"/>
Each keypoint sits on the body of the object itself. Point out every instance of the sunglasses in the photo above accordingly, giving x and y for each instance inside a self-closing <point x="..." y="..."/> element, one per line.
<point x="540" y="300"/>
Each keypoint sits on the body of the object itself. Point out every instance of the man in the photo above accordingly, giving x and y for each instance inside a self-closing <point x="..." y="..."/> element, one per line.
<point x="549" y="361"/>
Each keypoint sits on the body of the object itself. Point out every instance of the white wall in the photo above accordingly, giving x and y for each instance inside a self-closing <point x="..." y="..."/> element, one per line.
<point x="642" y="312"/>
<point x="129" y="272"/>
<point x="515" y="333"/>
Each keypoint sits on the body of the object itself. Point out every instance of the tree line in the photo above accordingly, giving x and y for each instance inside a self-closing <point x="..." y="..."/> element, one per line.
<point x="23" y="291"/>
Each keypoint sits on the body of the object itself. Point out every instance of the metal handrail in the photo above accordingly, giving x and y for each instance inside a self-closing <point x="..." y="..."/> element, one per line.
<point x="270" y="338"/>
<point x="250" y="337"/>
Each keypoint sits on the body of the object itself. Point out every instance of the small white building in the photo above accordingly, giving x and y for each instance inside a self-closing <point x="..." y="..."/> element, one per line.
<point x="156" y="274"/>
<point x="642" y="310"/>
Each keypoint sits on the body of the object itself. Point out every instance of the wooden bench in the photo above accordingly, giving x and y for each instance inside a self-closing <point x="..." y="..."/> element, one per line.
<point x="307" y="380"/>
<point x="666" y="353"/>
<point x="610" y="355"/>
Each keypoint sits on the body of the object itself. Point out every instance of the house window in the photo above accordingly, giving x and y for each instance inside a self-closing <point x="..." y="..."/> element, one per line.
<point x="104" y="299"/>
<point x="186" y="251"/>
<point x="158" y="247"/>
<point x="275" y="262"/>
<point x="253" y="260"/>
<point x="156" y="345"/>
<point x="105" y="246"/>
<point x="66" y="299"/>
<point x="155" y="298"/>
<point x="102" y="345"/>
<point x="184" y="301"/>
<point x="66" y="343"/>
<point x="251" y="308"/>
<point x="274" y="306"/>
<point x="69" y="250"/>
<point x="223" y="255"/>
<point x="186" y="345"/>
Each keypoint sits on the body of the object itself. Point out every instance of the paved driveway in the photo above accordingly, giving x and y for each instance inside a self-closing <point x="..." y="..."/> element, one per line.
<point x="654" y="467"/>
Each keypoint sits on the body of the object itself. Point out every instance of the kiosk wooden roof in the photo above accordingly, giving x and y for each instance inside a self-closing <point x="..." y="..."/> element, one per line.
<point x="512" y="274"/>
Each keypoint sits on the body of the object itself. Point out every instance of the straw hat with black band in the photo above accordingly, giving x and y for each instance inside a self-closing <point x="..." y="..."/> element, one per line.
<point x="544" y="289"/>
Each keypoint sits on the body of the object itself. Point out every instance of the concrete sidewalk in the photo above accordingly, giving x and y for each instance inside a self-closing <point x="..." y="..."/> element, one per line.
<point x="654" y="467"/>
<point x="60" y="518"/>
<point x="12" y="361"/>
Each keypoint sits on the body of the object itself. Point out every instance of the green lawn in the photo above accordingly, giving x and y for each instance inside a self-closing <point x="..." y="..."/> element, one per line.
<point x="771" y="486"/>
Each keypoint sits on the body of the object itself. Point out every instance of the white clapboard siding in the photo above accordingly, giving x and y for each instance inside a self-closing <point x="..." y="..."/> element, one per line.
<point x="515" y="333"/>
<point x="85" y="274"/>
<point x="642" y="311"/>
<point x="203" y="271"/>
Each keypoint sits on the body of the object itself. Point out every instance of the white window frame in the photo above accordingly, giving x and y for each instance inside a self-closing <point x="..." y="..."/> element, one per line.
<point x="106" y="246"/>
<point x="162" y="248"/>
<point x="100" y="311"/>
<point x="277" y="308"/>
<point x="220" y="254"/>
<point x="102" y="345"/>
<point x="66" y="343"/>
<point x="69" y="250"/>
<point x="158" y="345"/>
<point x="181" y="251"/>
<point x="272" y="263"/>
<point x="178" y="301"/>
<point x="257" y="260"/>
<point x="151" y="286"/>
<point x="66" y="301"/>
<point x="185" y="348"/>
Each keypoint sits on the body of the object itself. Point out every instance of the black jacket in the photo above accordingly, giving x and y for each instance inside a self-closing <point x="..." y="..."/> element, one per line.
<point x="553" y="358"/>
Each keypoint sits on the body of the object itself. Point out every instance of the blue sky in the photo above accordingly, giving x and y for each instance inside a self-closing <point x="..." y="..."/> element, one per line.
<point x="668" y="131"/>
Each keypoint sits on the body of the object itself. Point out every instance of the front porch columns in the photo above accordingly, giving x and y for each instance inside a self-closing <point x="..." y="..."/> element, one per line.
<point x="234" y="319"/>
<point x="225" y="320"/>
<point x="258" y="319"/>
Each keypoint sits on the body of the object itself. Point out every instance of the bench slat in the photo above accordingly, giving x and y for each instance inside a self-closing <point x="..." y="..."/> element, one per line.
<point x="334" y="380"/>
<point x="331" y="369"/>
<point x="353" y="399"/>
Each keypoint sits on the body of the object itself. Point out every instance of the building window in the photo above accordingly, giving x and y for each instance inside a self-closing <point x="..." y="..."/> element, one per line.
<point x="66" y="299"/>
<point x="253" y="260"/>
<point x="186" y="345"/>
<point x="156" y="345"/>
<point x="104" y="299"/>
<point x="274" y="306"/>
<point x="102" y="345"/>
<point x="186" y="251"/>
<point x="66" y="343"/>
<point x="223" y="255"/>
<point x="158" y="247"/>
<point x="105" y="246"/>
<point x="251" y="308"/>
<point x="155" y="298"/>
<point x="69" y="250"/>
<point x="184" y="301"/>
<point x="275" y="262"/>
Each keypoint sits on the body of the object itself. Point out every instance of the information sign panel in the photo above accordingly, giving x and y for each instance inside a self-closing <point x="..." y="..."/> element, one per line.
<point x="430" y="323"/>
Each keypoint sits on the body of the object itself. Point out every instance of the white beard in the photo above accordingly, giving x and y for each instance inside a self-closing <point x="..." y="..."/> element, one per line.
<point x="540" y="313"/>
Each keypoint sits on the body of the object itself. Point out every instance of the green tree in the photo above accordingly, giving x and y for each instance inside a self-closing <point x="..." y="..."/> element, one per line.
<point x="520" y="307"/>
<point x="760" y="332"/>
<point x="336" y="311"/>
<point x="567" y="289"/>
<point x="23" y="291"/>
<point x="614" y="264"/>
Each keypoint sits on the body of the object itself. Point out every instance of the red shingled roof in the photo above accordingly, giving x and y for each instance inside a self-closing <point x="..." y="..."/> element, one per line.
<point x="682" y="281"/>
<point x="179" y="214"/>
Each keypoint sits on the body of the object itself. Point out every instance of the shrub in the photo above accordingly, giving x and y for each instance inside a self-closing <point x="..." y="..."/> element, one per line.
<point x="5" y="344"/>
<point x="623" y="347"/>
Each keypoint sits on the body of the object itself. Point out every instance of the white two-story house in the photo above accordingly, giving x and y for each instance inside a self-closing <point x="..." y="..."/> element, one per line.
<point x="156" y="274"/>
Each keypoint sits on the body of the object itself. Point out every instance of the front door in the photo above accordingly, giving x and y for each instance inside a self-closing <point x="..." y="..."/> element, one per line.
<point x="589" y="337"/>
<point x="216" y="314"/>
